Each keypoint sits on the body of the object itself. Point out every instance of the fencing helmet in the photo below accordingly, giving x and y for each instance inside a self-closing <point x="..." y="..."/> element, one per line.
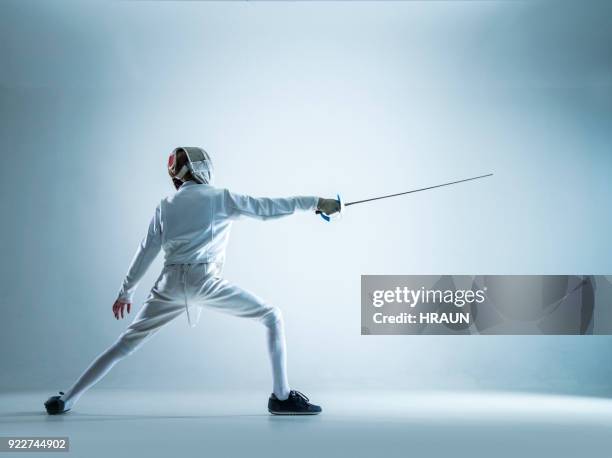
<point x="190" y="160"/>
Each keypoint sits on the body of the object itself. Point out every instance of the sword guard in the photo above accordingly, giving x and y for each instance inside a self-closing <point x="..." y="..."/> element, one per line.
<point x="336" y="215"/>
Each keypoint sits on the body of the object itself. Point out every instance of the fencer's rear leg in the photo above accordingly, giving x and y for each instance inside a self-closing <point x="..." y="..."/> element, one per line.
<point x="152" y="317"/>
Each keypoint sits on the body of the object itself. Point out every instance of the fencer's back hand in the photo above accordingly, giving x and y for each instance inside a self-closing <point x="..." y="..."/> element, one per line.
<point x="119" y="307"/>
<point x="328" y="206"/>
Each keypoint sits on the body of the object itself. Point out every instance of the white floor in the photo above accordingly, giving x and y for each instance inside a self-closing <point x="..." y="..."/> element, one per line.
<point x="355" y="424"/>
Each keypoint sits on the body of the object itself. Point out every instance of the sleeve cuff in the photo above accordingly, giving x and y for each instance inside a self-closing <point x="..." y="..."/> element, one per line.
<point x="125" y="298"/>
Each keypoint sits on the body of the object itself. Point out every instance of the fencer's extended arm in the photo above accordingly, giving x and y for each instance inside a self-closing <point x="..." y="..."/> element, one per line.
<point x="146" y="253"/>
<point x="267" y="207"/>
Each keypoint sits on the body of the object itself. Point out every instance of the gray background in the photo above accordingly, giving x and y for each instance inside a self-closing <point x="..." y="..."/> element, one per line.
<point x="303" y="98"/>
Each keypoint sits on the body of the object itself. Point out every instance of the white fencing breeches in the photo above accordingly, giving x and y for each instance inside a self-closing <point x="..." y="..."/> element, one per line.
<point x="177" y="287"/>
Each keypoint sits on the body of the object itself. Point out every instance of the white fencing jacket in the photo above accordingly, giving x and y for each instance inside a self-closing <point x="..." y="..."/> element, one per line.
<point x="193" y="225"/>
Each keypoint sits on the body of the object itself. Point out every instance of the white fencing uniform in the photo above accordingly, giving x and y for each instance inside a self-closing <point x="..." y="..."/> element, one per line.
<point x="192" y="227"/>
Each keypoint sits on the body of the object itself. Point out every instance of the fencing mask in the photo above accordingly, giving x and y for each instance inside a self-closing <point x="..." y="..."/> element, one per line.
<point x="191" y="162"/>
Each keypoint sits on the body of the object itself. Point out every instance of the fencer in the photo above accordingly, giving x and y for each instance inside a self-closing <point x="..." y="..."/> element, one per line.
<point x="192" y="227"/>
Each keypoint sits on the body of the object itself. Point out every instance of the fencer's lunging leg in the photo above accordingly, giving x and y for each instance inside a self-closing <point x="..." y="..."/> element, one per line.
<point x="219" y="294"/>
<point x="277" y="350"/>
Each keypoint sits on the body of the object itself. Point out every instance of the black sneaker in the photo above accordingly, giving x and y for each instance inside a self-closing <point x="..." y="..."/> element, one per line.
<point x="55" y="405"/>
<point x="295" y="404"/>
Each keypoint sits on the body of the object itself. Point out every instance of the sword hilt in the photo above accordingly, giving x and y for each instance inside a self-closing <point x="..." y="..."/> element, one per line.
<point x="336" y="215"/>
